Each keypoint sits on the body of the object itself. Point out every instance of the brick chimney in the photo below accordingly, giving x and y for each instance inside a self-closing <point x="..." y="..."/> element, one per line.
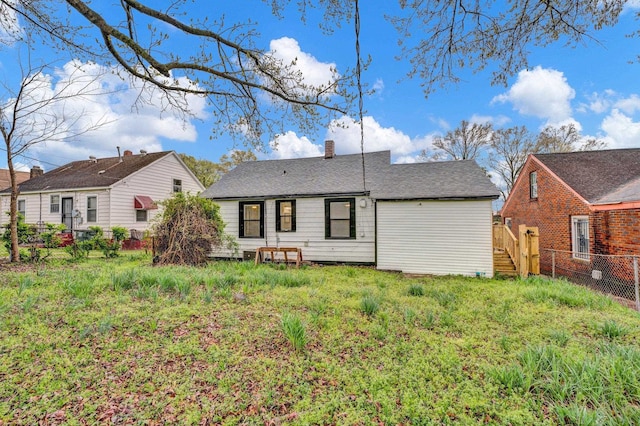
<point x="127" y="153"/>
<point x="329" y="149"/>
<point x="36" y="171"/>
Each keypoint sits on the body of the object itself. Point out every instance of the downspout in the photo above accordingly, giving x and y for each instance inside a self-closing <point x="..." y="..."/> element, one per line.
<point x="375" y="231"/>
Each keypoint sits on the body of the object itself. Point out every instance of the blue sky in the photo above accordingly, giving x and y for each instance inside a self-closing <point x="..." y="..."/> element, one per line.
<point x="593" y="86"/>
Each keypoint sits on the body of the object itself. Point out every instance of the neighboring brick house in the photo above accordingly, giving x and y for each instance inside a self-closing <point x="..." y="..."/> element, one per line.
<point x="5" y="178"/>
<point x="582" y="202"/>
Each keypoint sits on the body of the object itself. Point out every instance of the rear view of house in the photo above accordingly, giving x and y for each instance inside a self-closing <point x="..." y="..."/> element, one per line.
<point x="429" y="218"/>
<point x="105" y="192"/>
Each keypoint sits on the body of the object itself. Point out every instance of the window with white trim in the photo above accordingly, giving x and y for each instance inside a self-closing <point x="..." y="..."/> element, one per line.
<point x="533" y="185"/>
<point x="580" y="237"/>
<point x="54" y="204"/>
<point x="177" y="185"/>
<point x="141" y="215"/>
<point x="22" y="208"/>
<point x="92" y="209"/>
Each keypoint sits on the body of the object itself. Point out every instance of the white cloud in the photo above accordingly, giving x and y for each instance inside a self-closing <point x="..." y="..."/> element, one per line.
<point x="629" y="105"/>
<point x="290" y="145"/>
<point x="133" y="116"/>
<point x="314" y="72"/>
<point x="631" y="5"/>
<point x="346" y="133"/>
<point x="10" y="29"/>
<point x="499" y="120"/>
<point x="541" y="92"/>
<point x="621" y="131"/>
<point x="378" y="86"/>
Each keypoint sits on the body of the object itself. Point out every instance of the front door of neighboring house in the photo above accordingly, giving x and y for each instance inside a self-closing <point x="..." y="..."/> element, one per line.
<point x="67" y="213"/>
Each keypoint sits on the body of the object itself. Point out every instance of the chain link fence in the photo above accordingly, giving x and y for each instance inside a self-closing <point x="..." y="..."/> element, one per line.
<point x="613" y="275"/>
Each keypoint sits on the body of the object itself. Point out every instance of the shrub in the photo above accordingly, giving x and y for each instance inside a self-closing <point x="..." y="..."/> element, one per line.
<point x="50" y="237"/>
<point x="189" y="228"/>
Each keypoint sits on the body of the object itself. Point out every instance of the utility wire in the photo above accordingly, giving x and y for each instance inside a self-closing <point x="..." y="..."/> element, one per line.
<point x="33" y="159"/>
<point x="360" y="95"/>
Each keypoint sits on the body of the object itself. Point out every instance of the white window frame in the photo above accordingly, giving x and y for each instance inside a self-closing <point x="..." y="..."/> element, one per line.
<point x="23" y="212"/>
<point x="88" y="209"/>
<point x="533" y="185"/>
<point x="177" y="185"/>
<point x="52" y="204"/>
<point x="146" y="215"/>
<point x="578" y="224"/>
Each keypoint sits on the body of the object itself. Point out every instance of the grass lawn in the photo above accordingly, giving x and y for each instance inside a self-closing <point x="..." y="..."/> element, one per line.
<point x="118" y="341"/>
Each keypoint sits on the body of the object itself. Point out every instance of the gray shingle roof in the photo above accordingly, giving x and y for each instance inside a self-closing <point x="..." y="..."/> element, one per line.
<point x="607" y="176"/>
<point x="342" y="174"/>
<point x="436" y="180"/>
<point x="88" y="174"/>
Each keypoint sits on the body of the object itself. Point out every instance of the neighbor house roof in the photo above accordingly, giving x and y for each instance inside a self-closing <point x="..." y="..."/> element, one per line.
<point x="600" y="177"/>
<point x="95" y="173"/>
<point x="5" y="178"/>
<point x="342" y="174"/>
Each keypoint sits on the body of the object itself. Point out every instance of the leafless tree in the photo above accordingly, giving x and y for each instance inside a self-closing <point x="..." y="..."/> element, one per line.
<point x="34" y="114"/>
<point x="441" y="37"/>
<point x="509" y="151"/>
<point x="224" y="63"/>
<point x="252" y="91"/>
<point x="565" y="138"/>
<point x="463" y="143"/>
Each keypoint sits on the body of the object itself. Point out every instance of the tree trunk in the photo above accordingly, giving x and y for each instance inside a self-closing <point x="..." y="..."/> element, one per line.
<point x="14" y="252"/>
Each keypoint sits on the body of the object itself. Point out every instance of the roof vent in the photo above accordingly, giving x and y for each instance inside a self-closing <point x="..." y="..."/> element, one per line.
<point x="143" y="152"/>
<point x="93" y="159"/>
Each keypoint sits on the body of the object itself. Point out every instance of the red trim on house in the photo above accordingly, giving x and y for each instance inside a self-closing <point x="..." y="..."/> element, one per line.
<point x="615" y="206"/>
<point x="143" y="202"/>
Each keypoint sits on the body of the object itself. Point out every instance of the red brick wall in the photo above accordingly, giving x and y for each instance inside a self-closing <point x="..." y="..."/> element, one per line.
<point x="616" y="231"/>
<point x="551" y="212"/>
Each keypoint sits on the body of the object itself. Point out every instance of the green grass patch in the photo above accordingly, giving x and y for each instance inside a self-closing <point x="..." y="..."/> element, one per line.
<point x="120" y="341"/>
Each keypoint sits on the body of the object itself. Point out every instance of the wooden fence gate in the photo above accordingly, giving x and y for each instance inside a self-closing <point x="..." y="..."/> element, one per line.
<point x="523" y="250"/>
<point x="528" y="238"/>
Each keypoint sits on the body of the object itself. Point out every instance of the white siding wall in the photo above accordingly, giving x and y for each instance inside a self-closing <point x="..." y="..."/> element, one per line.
<point x="115" y="205"/>
<point x="38" y="207"/>
<point x="435" y="237"/>
<point x="309" y="234"/>
<point x="155" y="181"/>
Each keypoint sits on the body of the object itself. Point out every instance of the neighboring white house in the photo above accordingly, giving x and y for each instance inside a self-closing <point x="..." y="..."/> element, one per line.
<point x="429" y="218"/>
<point x="105" y="192"/>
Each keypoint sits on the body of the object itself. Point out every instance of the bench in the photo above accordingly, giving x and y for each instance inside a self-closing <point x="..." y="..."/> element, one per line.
<point x="261" y="254"/>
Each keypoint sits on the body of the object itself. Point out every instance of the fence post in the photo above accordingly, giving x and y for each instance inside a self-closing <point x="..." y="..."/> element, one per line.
<point x="553" y="264"/>
<point x="635" y="280"/>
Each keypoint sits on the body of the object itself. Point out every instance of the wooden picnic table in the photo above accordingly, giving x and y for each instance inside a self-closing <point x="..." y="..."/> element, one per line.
<point x="261" y="254"/>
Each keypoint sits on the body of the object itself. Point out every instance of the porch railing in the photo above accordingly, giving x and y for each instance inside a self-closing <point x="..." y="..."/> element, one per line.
<point x="503" y="239"/>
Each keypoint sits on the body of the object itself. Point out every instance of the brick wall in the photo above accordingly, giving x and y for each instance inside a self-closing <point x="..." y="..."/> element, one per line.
<point x="616" y="231"/>
<point x="551" y="212"/>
